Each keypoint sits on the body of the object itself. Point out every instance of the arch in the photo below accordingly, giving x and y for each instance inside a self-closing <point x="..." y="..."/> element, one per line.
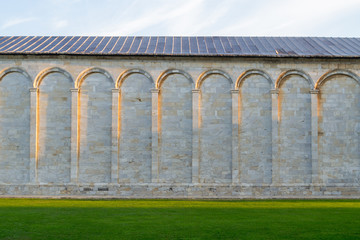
<point x="53" y="109"/>
<point x="95" y="99"/>
<point x="331" y="73"/>
<point x="247" y="73"/>
<point x="46" y="72"/>
<point x="168" y="72"/>
<point x="89" y="71"/>
<point x="293" y="72"/>
<point x="128" y="72"/>
<point x="6" y="71"/>
<point x="15" y="125"/>
<point x="205" y="74"/>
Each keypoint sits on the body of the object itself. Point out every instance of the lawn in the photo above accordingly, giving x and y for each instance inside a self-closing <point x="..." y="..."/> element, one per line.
<point x="179" y="219"/>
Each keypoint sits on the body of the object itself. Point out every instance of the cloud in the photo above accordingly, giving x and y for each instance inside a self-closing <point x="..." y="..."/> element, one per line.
<point x="187" y="17"/>
<point x="17" y="21"/>
<point x="290" y="17"/>
<point x="167" y="14"/>
<point x="226" y="17"/>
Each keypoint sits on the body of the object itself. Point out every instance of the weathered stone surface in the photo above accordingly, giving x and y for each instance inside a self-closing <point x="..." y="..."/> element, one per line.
<point x="135" y="130"/>
<point x="339" y="131"/>
<point x="54" y="129"/>
<point x="255" y="131"/>
<point x="14" y="128"/>
<point x="175" y="131"/>
<point x="215" y="130"/>
<point x="179" y="127"/>
<point x="95" y="129"/>
<point x="294" y="131"/>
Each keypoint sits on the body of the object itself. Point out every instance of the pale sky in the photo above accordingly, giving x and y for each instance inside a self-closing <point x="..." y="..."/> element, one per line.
<point x="324" y="18"/>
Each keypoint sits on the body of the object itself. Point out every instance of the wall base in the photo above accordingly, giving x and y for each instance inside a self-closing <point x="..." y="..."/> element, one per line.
<point x="180" y="191"/>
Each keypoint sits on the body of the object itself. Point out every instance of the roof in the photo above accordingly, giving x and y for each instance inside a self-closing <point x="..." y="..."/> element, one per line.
<point x="183" y="46"/>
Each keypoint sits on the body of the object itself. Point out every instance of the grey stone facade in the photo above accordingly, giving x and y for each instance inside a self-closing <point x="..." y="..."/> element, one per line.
<point x="179" y="127"/>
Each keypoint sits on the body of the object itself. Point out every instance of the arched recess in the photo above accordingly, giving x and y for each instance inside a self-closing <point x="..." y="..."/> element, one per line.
<point x="339" y="129"/>
<point x="14" y="125"/>
<point x="89" y="71"/>
<point x="335" y="72"/>
<point x="94" y="125"/>
<point x="255" y="129"/>
<point x="8" y="70"/>
<point x="288" y="73"/>
<point x="48" y="71"/>
<point x="168" y="72"/>
<point x="206" y="74"/>
<point x="54" y="125"/>
<point x="128" y="72"/>
<point x="175" y="126"/>
<point x="134" y="126"/>
<point x="249" y="73"/>
<point x="215" y="127"/>
<point x="294" y="127"/>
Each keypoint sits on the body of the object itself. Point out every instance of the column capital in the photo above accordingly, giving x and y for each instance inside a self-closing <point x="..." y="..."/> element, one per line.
<point x="274" y="91"/>
<point x="115" y="90"/>
<point x="74" y="89"/>
<point x="195" y="90"/>
<point x="314" y="91"/>
<point x="155" y="90"/>
<point x="33" y="89"/>
<point x="234" y="91"/>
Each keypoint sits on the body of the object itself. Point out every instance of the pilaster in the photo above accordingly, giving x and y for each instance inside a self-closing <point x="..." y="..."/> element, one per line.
<point x="196" y="124"/>
<point x="275" y="138"/>
<point x="155" y="135"/>
<point x="115" y="135"/>
<point x="314" y="137"/>
<point x="235" y="165"/>
<point x="33" y="165"/>
<point x="75" y="138"/>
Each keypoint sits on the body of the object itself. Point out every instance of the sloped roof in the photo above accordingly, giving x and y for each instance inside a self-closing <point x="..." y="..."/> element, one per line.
<point x="183" y="46"/>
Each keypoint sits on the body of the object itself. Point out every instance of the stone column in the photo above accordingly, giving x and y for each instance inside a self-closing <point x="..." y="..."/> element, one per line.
<point x="195" y="135"/>
<point x="235" y="165"/>
<point x="33" y="165"/>
<point x="275" y="138"/>
<point x="115" y="136"/>
<point x="75" y="138"/>
<point x="314" y="137"/>
<point x="155" y="136"/>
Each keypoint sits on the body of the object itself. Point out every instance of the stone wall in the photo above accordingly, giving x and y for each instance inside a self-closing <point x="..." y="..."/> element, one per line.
<point x="179" y="127"/>
<point x="54" y="123"/>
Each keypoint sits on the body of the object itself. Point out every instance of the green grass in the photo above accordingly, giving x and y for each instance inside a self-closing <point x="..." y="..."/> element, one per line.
<point x="179" y="219"/>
